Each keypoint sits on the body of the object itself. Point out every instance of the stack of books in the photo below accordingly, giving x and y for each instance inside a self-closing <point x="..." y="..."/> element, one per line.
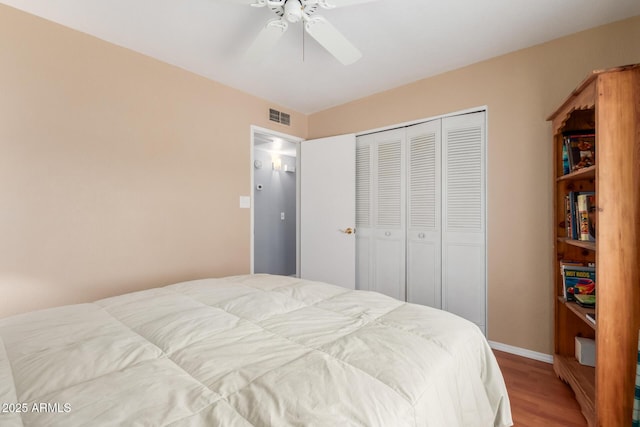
<point x="579" y="282"/>
<point x="580" y="212"/>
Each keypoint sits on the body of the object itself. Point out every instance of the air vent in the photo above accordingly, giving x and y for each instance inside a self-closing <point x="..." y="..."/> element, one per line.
<point x="279" y="117"/>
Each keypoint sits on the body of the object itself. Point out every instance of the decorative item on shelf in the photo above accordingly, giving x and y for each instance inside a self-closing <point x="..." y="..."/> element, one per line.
<point x="581" y="148"/>
<point x="585" y="351"/>
<point x="568" y="216"/>
<point x="587" y="301"/>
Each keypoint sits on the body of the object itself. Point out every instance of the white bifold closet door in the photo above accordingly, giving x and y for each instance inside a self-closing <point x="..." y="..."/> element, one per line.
<point x="463" y="212"/>
<point x="380" y="213"/>
<point x="424" y="235"/>
<point x="420" y="214"/>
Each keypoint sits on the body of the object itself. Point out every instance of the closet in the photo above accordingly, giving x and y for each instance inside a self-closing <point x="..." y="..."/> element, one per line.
<point x="420" y="214"/>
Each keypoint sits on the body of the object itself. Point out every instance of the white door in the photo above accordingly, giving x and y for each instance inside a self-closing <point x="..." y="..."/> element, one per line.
<point x="327" y="210"/>
<point x="463" y="227"/>
<point x="389" y="218"/>
<point x="423" y="217"/>
<point x="380" y="213"/>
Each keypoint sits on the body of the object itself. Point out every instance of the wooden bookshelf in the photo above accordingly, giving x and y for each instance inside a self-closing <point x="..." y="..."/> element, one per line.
<point x="606" y="101"/>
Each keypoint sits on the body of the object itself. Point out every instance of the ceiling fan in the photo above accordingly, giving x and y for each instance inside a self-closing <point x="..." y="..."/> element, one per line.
<point x="293" y="11"/>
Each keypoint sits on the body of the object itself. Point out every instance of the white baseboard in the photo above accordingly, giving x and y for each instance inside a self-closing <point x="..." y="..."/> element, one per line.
<point x="519" y="351"/>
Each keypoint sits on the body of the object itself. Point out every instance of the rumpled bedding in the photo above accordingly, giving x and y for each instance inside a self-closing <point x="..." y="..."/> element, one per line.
<point x="252" y="350"/>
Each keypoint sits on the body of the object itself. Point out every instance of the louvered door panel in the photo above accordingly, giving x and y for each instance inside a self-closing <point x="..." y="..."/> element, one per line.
<point x="463" y="237"/>
<point x="389" y="218"/>
<point x="389" y="181"/>
<point x="364" y="210"/>
<point x="363" y="184"/>
<point x="423" y="203"/>
<point x="422" y="178"/>
<point x="464" y="178"/>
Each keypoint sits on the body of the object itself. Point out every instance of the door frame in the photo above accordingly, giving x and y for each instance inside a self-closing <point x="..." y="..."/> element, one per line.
<point x="290" y="138"/>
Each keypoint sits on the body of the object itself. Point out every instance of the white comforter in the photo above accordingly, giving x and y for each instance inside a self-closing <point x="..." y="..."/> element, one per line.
<point x="248" y="351"/>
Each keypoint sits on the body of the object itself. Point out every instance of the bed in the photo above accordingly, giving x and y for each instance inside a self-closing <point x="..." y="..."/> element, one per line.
<point x="253" y="350"/>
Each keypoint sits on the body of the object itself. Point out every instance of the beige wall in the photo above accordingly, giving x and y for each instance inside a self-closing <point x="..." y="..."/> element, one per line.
<point x="520" y="89"/>
<point x="117" y="172"/>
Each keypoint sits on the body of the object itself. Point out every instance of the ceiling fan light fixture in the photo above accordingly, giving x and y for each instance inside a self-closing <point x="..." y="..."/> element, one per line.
<point x="293" y="11"/>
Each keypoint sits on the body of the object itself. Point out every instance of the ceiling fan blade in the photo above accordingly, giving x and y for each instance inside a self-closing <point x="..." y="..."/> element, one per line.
<point x="266" y="40"/>
<point x="330" y="4"/>
<point x="332" y="40"/>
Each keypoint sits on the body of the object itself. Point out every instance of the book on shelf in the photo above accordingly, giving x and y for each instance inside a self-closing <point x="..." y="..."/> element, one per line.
<point x="581" y="148"/>
<point x="577" y="279"/>
<point x="566" y="167"/>
<point x="586" y="216"/>
<point x="580" y="223"/>
<point x="572" y="233"/>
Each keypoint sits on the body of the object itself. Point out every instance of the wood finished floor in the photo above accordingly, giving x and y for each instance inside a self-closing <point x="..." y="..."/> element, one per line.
<point x="538" y="398"/>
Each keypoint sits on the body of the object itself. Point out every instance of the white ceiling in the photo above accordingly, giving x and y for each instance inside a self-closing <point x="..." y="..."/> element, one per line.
<point x="401" y="41"/>
<point x="274" y="145"/>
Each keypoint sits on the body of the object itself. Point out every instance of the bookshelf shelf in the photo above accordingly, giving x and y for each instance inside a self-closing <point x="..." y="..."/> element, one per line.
<point x="579" y="243"/>
<point x="581" y="379"/>
<point x="606" y="102"/>
<point x="586" y="173"/>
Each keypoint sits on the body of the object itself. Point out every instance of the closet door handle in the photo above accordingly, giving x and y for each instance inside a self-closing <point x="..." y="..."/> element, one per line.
<point x="387" y="233"/>
<point x="421" y="236"/>
<point x="349" y="230"/>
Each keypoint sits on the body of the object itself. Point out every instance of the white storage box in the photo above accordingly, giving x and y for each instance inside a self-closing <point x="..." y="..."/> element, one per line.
<point x="586" y="351"/>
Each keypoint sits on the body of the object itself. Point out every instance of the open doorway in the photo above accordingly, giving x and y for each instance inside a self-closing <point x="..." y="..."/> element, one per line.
<point x="275" y="208"/>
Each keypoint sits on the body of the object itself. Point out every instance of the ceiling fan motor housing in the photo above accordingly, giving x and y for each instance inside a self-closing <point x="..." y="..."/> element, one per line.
<point x="293" y="10"/>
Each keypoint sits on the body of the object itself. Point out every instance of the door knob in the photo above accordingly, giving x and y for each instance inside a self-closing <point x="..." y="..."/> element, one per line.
<point x="349" y="230"/>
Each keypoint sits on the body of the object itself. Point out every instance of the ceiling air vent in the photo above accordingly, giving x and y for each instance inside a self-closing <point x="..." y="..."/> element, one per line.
<point x="279" y="117"/>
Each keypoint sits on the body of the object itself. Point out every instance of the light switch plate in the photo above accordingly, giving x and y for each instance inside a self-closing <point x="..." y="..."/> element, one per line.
<point x="245" y="202"/>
